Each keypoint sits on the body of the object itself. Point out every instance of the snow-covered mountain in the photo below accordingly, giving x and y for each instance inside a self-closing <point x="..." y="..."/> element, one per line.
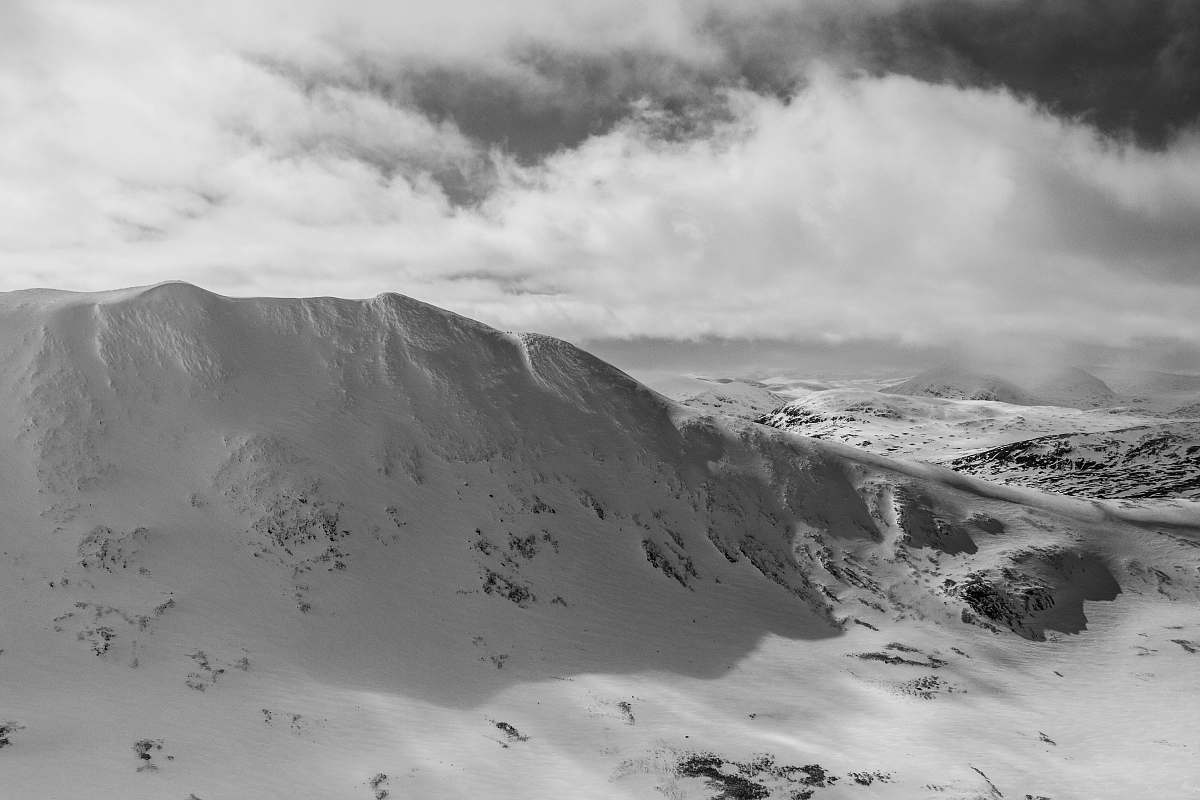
<point x="368" y="549"/>
<point x="956" y="383"/>
<point x="1152" y="390"/>
<point x="1145" y="461"/>
<point x="1148" y="381"/>
<point x="1071" y="387"/>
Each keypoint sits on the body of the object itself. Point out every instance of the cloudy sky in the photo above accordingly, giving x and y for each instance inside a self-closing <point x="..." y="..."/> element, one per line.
<point x="754" y="174"/>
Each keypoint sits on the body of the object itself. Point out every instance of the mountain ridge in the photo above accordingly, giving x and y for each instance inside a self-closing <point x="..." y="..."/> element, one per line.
<point x="358" y="538"/>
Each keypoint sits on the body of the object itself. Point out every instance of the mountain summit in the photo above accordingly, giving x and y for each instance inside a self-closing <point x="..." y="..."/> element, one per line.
<point x="328" y="548"/>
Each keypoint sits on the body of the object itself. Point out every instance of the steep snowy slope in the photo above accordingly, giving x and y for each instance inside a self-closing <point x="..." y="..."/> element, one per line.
<point x="367" y="549"/>
<point x="1145" y="461"/>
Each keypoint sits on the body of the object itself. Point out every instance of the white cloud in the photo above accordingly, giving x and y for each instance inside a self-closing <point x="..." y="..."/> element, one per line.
<point x="875" y="208"/>
<point x="141" y="147"/>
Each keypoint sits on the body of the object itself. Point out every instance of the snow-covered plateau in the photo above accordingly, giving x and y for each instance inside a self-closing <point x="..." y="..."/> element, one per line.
<point x="370" y="549"/>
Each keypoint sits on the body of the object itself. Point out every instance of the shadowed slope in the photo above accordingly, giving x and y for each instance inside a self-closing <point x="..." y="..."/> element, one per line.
<point x="386" y="482"/>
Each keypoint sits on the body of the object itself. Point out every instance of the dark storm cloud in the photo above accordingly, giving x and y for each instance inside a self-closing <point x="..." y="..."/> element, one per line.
<point x="1130" y="68"/>
<point x="1125" y="66"/>
<point x="543" y="99"/>
<point x="546" y="98"/>
<point x="540" y="97"/>
<point x="555" y="99"/>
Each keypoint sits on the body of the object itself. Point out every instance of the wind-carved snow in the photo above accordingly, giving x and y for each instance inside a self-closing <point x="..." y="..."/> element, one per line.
<point x="327" y="548"/>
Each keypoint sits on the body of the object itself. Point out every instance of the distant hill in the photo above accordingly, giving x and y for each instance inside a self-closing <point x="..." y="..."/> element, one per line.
<point x="1072" y="387"/>
<point x="954" y="383"/>
<point x="1190" y="410"/>
<point x="1137" y="381"/>
<point x="937" y="429"/>
<point x="1167" y="393"/>
<point x="740" y="399"/>
<point x="1146" y="461"/>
